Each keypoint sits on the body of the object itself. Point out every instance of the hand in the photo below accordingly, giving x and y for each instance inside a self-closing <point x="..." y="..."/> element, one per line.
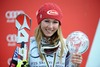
<point x="76" y="59"/>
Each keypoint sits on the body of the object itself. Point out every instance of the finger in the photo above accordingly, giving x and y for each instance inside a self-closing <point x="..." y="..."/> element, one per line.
<point x="76" y="61"/>
<point x="76" y="56"/>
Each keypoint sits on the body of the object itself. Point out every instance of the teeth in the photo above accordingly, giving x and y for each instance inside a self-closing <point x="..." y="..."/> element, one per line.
<point x="49" y="31"/>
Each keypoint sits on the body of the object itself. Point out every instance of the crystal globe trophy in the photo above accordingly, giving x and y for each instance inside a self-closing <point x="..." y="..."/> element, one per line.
<point x="77" y="42"/>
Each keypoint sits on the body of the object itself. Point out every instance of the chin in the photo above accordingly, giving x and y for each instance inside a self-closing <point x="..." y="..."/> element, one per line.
<point x="48" y="35"/>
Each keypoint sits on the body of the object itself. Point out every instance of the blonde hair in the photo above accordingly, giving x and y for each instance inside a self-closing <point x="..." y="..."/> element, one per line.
<point x="39" y="34"/>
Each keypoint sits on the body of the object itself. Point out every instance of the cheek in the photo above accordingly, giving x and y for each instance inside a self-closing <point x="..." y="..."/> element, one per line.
<point x="43" y="26"/>
<point x="56" y="27"/>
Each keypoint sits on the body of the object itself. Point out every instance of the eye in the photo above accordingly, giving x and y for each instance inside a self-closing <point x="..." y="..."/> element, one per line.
<point x="46" y="20"/>
<point x="56" y="22"/>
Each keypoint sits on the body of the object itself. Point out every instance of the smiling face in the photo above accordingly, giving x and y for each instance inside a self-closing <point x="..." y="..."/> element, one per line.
<point x="49" y="27"/>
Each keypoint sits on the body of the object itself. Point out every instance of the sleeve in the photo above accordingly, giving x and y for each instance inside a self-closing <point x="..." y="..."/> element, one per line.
<point x="67" y="59"/>
<point x="68" y="63"/>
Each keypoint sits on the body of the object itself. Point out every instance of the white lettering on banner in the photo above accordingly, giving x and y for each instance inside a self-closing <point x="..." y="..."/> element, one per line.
<point x="11" y="15"/>
<point x="11" y="39"/>
<point x="9" y="60"/>
<point x="21" y="31"/>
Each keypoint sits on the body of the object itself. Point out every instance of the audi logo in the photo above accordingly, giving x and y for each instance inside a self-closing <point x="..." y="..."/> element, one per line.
<point x="11" y="37"/>
<point x="10" y="15"/>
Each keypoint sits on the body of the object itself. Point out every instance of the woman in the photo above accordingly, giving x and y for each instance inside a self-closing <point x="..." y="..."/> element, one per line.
<point x="48" y="48"/>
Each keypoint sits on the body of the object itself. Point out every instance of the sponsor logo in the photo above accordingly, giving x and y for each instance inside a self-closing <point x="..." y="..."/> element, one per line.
<point x="9" y="60"/>
<point x="11" y="15"/>
<point x="11" y="39"/>
<point x="21" y="28"/>
<point x="52" y="12"/>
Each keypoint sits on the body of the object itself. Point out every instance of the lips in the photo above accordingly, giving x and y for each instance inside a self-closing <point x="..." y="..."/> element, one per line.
<point x="49" y="31"/>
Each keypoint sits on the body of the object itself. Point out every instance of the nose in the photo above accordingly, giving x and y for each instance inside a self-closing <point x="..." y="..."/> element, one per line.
<point x="50" y="25"/>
